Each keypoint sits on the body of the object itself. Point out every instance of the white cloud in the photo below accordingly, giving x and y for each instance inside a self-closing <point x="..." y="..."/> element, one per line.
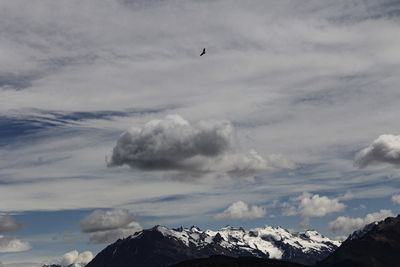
<point x="349" y="225"/>
<point x="312" y="206"/>
<point x="75" y="258"/>
<point x="396" y="199"/>
<point x="385" y="149"/>
<point x="173" y="144"/>
<point x="316" y="206"/>
<point x="13" y="244"/>
<point x="108" y="226"/>
<point x="240" y="210"/>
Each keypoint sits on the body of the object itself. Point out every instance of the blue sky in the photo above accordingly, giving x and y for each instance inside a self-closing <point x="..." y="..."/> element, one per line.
<point x="107" y="113"/>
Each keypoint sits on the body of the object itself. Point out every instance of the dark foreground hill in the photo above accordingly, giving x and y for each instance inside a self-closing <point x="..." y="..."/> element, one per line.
<point x="225" y="261"/>
<point x="378" y="246"/>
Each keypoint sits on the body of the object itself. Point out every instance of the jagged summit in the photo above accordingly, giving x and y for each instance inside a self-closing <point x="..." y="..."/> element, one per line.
<point x="161" y="246"/>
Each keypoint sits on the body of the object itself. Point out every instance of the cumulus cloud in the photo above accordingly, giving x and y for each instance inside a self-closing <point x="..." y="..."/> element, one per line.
<point x="174" y="144"/>
<point x="349" y="225"/>
<point x="385" y="149"/>
<point x="75" y="258"/>
<point x="316" y="206"/>
<point x="396" y="199"/>
<point x="240" y="210"/>
<point x="13" y="244"/>
<point x="313" y="206"/>
<point x="108" y="226"/>
<point x="9" y="225"/>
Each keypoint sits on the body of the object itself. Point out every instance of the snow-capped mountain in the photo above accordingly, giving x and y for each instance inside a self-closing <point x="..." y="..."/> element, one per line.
<point x="160" y="246"/>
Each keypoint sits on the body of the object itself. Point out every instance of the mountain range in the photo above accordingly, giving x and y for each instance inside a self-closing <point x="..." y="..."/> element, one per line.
<point x="160" y="246"/>
<point x="376" y="245"/>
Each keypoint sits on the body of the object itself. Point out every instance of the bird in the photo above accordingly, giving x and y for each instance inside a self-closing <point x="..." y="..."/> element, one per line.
<point x="204" y="51"/>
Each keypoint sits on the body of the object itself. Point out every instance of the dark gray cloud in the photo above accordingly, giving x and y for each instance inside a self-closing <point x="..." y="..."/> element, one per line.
<point x="108" y="226"/>
<point x="9" y="225"/>
<point x="194" y="149"/>
<point x="385" y="149"/>
<point x="166" y="144"/>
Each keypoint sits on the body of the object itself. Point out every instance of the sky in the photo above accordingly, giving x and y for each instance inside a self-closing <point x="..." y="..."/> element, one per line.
<point x="111" y="122"/>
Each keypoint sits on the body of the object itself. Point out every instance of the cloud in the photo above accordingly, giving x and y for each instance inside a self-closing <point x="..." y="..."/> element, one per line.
<point x="316" y="206"/>
<point x="312" y="206"/>
<point x="9" y="225"/>
<point x="385" y="149"/>
<point x="396" y="199"/>
<point x="108" y="226"/>
<point x="173" y="144"/>
<point x="349" y="225"/>
<point x="75" y="258"/>
<point x="240" y="210"/>
<point x="13" y="244"/>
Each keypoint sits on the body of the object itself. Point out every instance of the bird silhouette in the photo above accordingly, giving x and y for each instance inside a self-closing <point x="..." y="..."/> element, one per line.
<point x="204" y="51"/>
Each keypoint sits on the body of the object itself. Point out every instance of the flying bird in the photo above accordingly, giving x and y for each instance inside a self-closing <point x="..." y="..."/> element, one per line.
<point x="204" y="51"/>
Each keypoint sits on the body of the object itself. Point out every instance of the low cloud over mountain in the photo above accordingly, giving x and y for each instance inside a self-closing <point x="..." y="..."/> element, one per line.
<point x="174" y="144"/>
<point x="108" y="226"/>
<point x="348" y="225"/>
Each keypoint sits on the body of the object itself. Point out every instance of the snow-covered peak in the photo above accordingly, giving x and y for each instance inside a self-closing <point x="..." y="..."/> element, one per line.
<point x="269" y="241"/>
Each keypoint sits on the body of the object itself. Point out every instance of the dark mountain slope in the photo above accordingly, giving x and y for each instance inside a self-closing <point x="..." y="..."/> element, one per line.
<point x="225" y="261"/>
<point x="380" y="246"/>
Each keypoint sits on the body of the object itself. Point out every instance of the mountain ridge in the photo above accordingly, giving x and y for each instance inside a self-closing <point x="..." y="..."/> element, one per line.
<point x="160" y="246"/>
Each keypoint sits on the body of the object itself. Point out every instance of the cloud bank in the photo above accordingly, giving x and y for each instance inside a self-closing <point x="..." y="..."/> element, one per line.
<point x="108" y="226"/>
<point x="385" y="149"/>
<point x="174" y="144"/>
<point x="240" y="210"/>
<point x="349" y="225"/>
<point x="75" y="258"/>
